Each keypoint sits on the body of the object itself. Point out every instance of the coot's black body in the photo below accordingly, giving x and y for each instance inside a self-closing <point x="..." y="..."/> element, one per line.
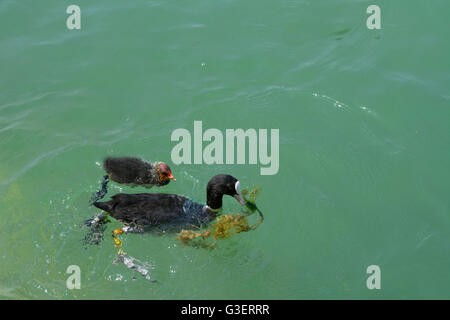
<point x="134" y="171"/>
<point x="149" y="209"/>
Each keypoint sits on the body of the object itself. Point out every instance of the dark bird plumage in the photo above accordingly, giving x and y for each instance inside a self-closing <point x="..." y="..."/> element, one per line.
<point x="134" y="171"/>
<point x="149" y="209"/>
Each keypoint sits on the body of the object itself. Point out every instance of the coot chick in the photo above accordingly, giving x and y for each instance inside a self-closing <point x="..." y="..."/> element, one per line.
<point x="134" y="171"/>
<point x="171" y="210"/>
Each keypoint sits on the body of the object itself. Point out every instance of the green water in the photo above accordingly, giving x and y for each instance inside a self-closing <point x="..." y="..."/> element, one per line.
<point x="364" y="144"/>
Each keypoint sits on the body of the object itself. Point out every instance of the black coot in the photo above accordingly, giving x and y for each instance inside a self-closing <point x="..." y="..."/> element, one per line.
<point x="150" y="209"/>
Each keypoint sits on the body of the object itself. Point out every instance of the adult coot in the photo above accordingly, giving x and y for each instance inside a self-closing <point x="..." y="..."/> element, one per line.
<point x="165" y="210"/>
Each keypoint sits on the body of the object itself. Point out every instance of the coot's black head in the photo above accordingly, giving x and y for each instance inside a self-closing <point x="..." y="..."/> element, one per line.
<point x="218" y="186"/>
<point x="164" y="172"/>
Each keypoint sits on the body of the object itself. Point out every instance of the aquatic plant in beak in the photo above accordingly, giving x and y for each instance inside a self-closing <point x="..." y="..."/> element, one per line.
<point x="250" y="203"/>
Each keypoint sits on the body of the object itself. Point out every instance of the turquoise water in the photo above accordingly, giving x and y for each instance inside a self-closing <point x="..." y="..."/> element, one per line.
<point x="364" y="136"/>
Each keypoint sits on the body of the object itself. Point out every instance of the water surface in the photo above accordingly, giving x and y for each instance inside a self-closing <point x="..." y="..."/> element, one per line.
<point x="363" y="118"/>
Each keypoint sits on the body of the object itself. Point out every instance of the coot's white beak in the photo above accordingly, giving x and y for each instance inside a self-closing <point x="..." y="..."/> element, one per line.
<point x="238" y="196"/>
<point x="239" y="199"/>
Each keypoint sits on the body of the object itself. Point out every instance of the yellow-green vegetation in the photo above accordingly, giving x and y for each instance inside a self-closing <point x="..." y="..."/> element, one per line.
<point x="226" y="225"/>
<point x="187" y="235"/>
<point x="229" y="225"/>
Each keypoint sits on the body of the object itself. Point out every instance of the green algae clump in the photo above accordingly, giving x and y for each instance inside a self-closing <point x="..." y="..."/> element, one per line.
<point x="188" y="235"/>
<point x="229" y="225"/>
<point x="226" y="225"/>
